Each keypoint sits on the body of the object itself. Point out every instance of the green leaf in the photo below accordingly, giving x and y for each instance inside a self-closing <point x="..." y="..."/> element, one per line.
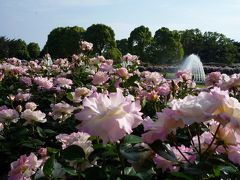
<point x="52" y="150"/>
<point x="132" y="153"/>
<point x="71" y="171"/>
<point x="129" y="171"/>
<point x="49" y="131"/>
<point x="132" y="139"/>
<point x="228" y="169"/>
<point x="181" y="175"/>
<point x="69" y="96"/>
<point x="49" y="166"/>
<point x="163" y="151"/>
<point x="40" y="131"/>
<point x="217" y="171"/>
<point x="73" y="152"/>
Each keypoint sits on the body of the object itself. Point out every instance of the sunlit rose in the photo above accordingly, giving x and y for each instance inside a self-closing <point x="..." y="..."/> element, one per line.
<point x="33" y="116"/>
<point x="24" y="167"/>
<point x="110" y="117"/>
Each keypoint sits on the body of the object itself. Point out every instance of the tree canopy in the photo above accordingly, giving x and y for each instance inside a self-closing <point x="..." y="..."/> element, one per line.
<point x="18" y="49"/>
<point x="140" y="38"/>
<point x="101" y="36"/>
<point x="166" y="47"/>
<point x="4" y="49"/>
<point x="33" y="50"/>
<point x="64" y="41"/>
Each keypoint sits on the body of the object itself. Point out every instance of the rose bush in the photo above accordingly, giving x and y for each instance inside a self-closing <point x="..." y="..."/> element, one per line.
<point x="88" y="118"/>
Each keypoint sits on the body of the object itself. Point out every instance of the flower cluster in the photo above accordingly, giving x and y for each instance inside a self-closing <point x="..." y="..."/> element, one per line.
<point x="87" y="117"/>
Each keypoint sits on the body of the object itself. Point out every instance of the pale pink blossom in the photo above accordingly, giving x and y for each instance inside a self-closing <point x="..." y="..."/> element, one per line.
<point x="31" y="105"/>
<point x="152" y="96"/>
<point x="189" y="154"/>
<point x="62" y="111"/>
<point x="110" y="116"/>
<point x="199" y="108"/>
<point x="130" y="58"/>
<point x="100" y="78"/>
<point x="42" y="152"/>
<point x="152" y="77"/>
<point x="83" y="91"/>
<point x="165" y="164"/>
<point x="23" y="96"/>
<point x="43" y="83"/>
<point x="94" y="61"/>
<point x="9" y="115"/>
<point x="76" y="138"/>
<point x="86" y="46"/>
<point x="63" y="82"/>
<point x="122" y="72"/>
<point x="228" y="111"/>
<point x="101" y="58"/>
<point x="19" y="70"/>
<point x="224" y="82"/>
<point x="164" y="90"/>
<point x="205" y="140"/>
<point x="33" y="116"/>
<point x="24" y="167"/>
<point x="159" y="129"/>
<point x="79" y="93"/>
<point x="106" y="67"/>
<point x="185" y="75"/>
<point x="226" y="134"/>
<point x="213" y="78"/>
<point x="26" y="80"/>
<point x="227" y="82"/>
<point x="234" y="154"/>
<point x="61" y="62"/>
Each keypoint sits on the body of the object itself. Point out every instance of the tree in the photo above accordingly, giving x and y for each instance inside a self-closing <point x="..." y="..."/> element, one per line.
<point x="122" y="45"/>
<point x="101" y="36"/>
<point x="18" y="49"/>
<point x="63" y="41"/>
<point x="4" y="43"/>
<point x="218" y="48"/>
<point x="140" y="38"/>
<point x="166" y="47"/>
<point x="33" y="50"/>
<point x="192" y="41"/>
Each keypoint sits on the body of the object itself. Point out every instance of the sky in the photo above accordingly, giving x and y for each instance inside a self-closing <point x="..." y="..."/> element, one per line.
<point x="33" y="20"/>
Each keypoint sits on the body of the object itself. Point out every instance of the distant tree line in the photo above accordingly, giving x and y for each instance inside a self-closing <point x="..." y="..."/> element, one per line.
<point x="18" y="48"/>
<point x="168" y="47"/>
<point x="165" y="47"/>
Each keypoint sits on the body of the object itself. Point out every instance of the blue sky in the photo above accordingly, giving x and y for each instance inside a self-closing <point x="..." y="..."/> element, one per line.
<point x="32" y="20"/>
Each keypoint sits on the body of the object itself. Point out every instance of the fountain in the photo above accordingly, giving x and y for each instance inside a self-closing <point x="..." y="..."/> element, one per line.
<point x="193" y="64"/>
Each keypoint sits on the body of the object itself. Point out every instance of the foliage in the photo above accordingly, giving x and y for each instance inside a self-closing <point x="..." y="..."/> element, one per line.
<point x="113" y="53"/>
<point x="102" y="37"/>
<point x="64" y="41"/>
<point x="140" y="38"/>
<point x="4" y="47"/>
<point x="122" y="45"/>
<point x="18" y="49"/>
<point x="192" y="41"/>
<point x="218" y="48"/>
<point x="166" y="47"/>
<point x="33" y="50"/>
